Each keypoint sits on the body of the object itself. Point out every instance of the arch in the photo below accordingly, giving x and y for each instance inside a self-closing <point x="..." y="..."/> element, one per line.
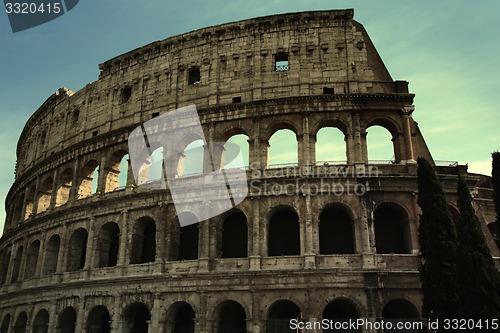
<point x="17" y="264"/>
<point x="143" y="245"/>
<point x="236" y="159"/>
<point x="493" y="228"/>
<point x="283" y="149"/>
<point x="235" y="236"/>
<point x="402" y="311"/>
<point x="67" y="320"/>
<point x="41" y="322"/>
<point x="340" y="310"/>
<point x="21" y="323"/>
<point x="137" y="316"/>
<point x="230" y="317"/>
<point x="191" y="160"/>
<point x="64" y="187"/>
<point x="45" y="195"/>
<point x="152" y="169"/>
<point x="98" y="320"/>
<point x="181" y="318"/>
<point x="116" y="174"/>
<point x="108" y="245"/>
<point x="28" y="204"/>
<point x="378" y="150"/>
<point x="188" y="237"/>
<point x="88" y="179"/>
<point x="279" y="315"/>
<point x="5" y="267"/>
<point x="32" y="259"/>
<point x="336" y="232"/>
<point x="18" y="209"/>
<point x="77" y="250"/>
<point x="331" y="146"/>
<point x="391" y="229"/>
<point x="283" y="233"/>
<point x="5" y="323"/>
<point x="51" y="255"/>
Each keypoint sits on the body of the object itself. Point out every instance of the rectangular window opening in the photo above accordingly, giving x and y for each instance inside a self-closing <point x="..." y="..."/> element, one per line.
<point x="237" y="99"/>
<point x="126" y="94"/>
<point x="194" y="76"/>
<point x="281" y="62"/>
<point x="328" y="91"/>
<point x="155" y="114"/>
<point x="94" y="133"/>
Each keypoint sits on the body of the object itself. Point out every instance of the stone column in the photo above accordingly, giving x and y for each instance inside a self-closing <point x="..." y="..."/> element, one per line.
<point x="124" y="239"/>
<point x="364" y="224"/>
<point x="154" y="326"/>
<point x="406" y="116"/>
<point x="255" y="238"/>
<point x="80" y="316"/>
<point x="307" y="237"/>
<point x="204" y="245"/>
<point x="35" y="197"/>
<point x="89" y="262"/>
<point x="103" y="172"/>
<point x="130" y="174"/>
<point x="53" y="318"/>
<point x="62" y="258"/>
<point x="22" y="264"/>
<point x="41" y="254"/>
<point x="75" y="182"/>
<point x="305" y="159"/>
<point x="312" y="149"/>
<point x="161" y="219"/>
<point x="53" y="197"/>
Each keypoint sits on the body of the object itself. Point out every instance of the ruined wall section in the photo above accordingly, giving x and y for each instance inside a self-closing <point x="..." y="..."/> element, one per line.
<point x="236" y="62"/>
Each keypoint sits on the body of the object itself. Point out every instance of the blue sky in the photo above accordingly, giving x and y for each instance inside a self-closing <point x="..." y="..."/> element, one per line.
<point x="448" y="50"/>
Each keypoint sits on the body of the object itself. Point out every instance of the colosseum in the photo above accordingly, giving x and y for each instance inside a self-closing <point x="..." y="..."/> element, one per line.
<point x="87" y="248"/>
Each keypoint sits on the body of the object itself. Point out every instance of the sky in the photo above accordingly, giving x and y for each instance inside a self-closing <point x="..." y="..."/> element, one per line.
<point x="448" y="50"/>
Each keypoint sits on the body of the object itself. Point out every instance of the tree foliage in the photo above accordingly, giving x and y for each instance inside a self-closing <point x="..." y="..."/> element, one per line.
<point x="478" y="276"/>
<point x="438" y="247"/>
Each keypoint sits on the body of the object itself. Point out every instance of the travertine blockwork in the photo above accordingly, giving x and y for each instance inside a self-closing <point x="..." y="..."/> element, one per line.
<point x="87" y="250"/>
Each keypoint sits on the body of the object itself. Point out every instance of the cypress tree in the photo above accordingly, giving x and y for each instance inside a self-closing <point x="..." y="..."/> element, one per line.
<point x="478" y="278"/>
<point x="495" y="175"/>
<point x="438" y="247"/>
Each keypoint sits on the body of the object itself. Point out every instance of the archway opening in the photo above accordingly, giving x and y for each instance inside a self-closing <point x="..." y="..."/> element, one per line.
<point x="77" y="250"/>
<point x="279" y="316"/>
<point x="192" y="159"/>
<point x="143" y="246"/>
<point x="21" y="322"/>
<point x="64" y="187"/>
<point x="335" y="232"/>
<point x="29" y="203"/>
<point x="381" y="146"/>
<point x="391" y="224"/>
<point x="283" y="149"/>
<point x="18" y="209"/>
<point x="234" y="236"/>
<point x="99" y="320"/>
<point x="89" y="178"/>
<point x="32" y="259"/>
<point x="108" y="245"/>
<point x="284" y="234"/>
<point x="41" y="322"/>
<point x="231" y="318"/>
<point x="137" y="316"/>
<point x="340" y="311"/>
<point x="5" y="324"/>
<point x="45" y="195"/>
<point x="181" y="318"/>
<point x="403" y="312"/>
<point x="17" y="264"/>
<point x="5" y="267"/>
<point x="188" y="242"/>
<point x="116" y="177"/>
<point x="331" y="146"/>
<point x="51" y="255"/>
<point x="67" y="320"/>
<point x="236" y="158"/>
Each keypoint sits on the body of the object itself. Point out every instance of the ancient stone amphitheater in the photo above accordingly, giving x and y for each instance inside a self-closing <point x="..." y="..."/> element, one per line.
<point x="86" y="248"/>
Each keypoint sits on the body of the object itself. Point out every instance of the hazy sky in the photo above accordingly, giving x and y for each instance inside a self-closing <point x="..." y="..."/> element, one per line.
<point x="448" y="50"/>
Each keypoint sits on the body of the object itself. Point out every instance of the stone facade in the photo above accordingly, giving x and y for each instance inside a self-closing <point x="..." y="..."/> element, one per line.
<point x="77" y="257"/>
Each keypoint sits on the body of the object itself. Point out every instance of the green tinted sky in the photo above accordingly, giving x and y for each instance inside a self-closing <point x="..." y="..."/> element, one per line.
<point x="448" y="50"/>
